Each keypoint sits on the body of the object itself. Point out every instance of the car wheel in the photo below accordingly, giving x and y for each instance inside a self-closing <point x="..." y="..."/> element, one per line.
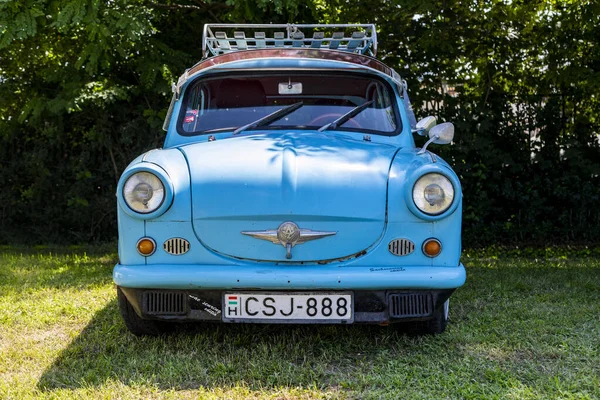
<point x="136" y="325"/>
<point x="433" y="326"/>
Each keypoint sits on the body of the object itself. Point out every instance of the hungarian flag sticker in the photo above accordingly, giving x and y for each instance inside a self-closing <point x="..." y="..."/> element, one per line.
<point x="231" y="307"/>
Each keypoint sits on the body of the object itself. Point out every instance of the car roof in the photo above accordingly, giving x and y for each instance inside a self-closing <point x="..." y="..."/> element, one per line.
<point x="332" y="55"/>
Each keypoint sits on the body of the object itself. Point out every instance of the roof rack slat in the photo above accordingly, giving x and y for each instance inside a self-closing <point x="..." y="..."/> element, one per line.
<point x="279" y="39"/>
<point x="240" y="40"/>
<point x="298" y="39"/>
<point x="317" y="40"/>
<point x="335" y="40"/>
<point x="222" y="40"/>
<point x="356" y="40"/>
<point x="260" y="40"/>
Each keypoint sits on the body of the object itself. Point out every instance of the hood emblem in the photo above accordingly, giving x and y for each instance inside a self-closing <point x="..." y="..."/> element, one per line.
<point x="288" y="235"/>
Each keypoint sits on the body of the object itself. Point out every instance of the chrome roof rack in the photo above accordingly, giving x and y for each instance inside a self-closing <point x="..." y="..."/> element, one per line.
<point x="226" y="38"/>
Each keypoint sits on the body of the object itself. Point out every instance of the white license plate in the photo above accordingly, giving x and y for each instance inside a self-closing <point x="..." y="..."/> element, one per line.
<point x="296" y="307"/>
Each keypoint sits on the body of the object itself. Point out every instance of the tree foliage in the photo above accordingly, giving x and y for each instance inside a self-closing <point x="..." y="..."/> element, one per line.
<point x="84" y="87"/>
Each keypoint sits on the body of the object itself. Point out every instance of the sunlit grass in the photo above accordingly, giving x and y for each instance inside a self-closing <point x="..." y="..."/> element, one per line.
<point x="520" y="328"/>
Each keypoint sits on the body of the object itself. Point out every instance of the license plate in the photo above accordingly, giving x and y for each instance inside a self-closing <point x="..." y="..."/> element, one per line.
<point x="296" y="307"/>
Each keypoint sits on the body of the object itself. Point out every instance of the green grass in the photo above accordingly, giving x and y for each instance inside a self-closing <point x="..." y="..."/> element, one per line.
<point x="520" y="328"/>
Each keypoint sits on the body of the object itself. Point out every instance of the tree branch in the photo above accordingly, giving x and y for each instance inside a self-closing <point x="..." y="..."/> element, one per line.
<point x="114" y="163"/>
<point x="174" y="6"/>
<point x="201" y="7"/>
<point x="212" y="6"/>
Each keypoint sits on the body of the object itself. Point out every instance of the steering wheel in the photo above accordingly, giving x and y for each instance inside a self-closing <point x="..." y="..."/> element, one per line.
<point x="326" y="118"/>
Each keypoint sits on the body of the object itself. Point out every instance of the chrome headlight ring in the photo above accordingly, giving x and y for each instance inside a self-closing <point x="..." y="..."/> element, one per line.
<point x="145" y="191"/>
<point x="432" y="193"/>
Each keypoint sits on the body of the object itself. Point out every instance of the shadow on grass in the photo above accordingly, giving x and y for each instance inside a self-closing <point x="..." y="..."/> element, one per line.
<point x="225" y="355"/>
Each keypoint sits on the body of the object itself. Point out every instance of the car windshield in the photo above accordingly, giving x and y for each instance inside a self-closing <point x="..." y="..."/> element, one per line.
<point x="221" y="104"/>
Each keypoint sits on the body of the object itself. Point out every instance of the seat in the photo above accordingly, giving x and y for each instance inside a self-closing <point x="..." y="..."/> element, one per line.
<point x="236" y="93"/>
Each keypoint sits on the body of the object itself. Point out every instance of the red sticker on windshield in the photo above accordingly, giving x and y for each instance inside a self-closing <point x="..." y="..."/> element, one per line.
<point x="188" y="119"/>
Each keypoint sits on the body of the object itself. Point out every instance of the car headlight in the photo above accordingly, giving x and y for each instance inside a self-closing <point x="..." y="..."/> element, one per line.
<point x="144" y="192"/>
<point x="433" y="193"/>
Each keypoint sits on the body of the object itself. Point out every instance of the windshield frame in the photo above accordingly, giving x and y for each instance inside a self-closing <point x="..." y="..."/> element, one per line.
<point x="284" y="73"/>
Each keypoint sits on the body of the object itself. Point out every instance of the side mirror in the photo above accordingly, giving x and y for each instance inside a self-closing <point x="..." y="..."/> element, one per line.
<point x="443" y="133"/>
<point x="424" y="125"/>
<point x="439" y="134"/>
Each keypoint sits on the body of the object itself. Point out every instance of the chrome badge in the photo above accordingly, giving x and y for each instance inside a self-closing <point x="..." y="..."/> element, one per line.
<point x="288" y="232"/>
<point x="288" y="235"/>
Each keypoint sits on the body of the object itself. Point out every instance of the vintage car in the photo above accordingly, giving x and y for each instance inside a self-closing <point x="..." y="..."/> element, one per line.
<point x="290" y="190"/>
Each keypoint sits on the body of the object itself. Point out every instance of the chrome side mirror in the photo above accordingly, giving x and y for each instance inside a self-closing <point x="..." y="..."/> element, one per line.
<point x="424" y="125"/>
<point x="439" y="134"/>
<point x="443" y="133"/>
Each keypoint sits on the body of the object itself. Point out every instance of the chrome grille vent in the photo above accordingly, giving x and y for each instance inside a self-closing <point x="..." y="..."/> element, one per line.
<point x="176" y="246"/>
<point x="401" y="247"/>
<point x="164" y="303"/>
<point x="410" y="305"/>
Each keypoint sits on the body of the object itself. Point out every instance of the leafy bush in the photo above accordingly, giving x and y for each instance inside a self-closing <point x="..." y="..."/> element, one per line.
<point x="85" y="86"/>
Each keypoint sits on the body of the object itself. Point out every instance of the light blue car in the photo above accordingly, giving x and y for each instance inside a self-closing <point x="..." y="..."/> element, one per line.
<point x="289" y="190"/>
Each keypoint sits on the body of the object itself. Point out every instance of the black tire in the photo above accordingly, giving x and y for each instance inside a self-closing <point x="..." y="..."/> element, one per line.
<point x="136" y="325"/>
<point x="433" y="326"/>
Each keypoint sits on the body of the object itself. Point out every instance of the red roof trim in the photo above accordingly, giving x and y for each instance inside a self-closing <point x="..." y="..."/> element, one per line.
<point x="333" y="55"/>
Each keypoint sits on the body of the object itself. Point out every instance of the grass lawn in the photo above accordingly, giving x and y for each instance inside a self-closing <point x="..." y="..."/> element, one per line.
<point x="520" y="328"/>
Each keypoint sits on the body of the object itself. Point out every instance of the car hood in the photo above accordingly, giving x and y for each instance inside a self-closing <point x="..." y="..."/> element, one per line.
<point x="321" y="182"/>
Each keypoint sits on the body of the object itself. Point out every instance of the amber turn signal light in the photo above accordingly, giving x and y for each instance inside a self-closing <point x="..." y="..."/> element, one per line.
<point x="432" y="247"/>
<point x="146" y="246"/>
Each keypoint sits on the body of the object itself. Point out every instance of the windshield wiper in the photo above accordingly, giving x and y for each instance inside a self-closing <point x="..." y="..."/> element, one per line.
<point x="267" y="119"/>
<point x="341" y="120"/>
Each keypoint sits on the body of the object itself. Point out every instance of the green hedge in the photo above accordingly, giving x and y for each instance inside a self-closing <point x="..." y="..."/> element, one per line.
<point x="84" y="87"/>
